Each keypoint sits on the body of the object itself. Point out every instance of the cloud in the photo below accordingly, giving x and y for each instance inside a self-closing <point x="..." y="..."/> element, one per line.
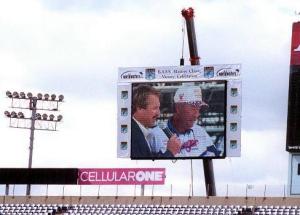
<point x="259" y="149"/>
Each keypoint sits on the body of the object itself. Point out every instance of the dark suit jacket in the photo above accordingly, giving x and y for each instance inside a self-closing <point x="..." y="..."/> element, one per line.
<point x="139" y="145"/>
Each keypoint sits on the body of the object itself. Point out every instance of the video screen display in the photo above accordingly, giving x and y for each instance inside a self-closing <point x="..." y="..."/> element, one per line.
<point x="178" y="120"/>
<point x="293" y="122"/>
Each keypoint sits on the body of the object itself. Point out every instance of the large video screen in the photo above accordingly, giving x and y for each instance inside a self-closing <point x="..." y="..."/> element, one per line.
<point x="293" y="122"/>
<point x="178" y="120"/>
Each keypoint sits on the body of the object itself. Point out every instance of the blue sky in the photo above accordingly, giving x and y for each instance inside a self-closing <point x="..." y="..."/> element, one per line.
<point x="76" y="47"/>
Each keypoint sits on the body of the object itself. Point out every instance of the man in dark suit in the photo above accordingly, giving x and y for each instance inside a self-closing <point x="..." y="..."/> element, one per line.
<point x="145" y="111"/>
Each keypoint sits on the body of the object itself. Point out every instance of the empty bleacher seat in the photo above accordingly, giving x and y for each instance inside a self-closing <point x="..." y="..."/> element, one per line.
<point x="140" y="209"/>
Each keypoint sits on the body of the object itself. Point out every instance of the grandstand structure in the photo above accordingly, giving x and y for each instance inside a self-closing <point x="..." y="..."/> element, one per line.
<point x="123" y="205"/>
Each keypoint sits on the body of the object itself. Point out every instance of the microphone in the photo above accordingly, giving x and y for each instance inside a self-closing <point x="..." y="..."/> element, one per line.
<point x="167" y="132"/>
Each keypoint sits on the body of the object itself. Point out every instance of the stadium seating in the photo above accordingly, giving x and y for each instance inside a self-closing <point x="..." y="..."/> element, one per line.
<point x="136" y="209"/>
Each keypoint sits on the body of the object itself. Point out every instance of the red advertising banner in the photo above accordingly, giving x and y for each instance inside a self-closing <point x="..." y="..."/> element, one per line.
<point x="122" y="176"/>
<point x="295" y="49"/>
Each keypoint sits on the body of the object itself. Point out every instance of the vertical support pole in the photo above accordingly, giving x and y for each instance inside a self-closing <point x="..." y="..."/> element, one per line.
<point x="117" y="191"/>
<point x="192" y="179"/>
<point x="227" y="191"/>
<point x="98" y="191"/>
<point x="14" y="191"/>
<point x="142" y="189"/>
<point x="63" y="193"/>
<point x="152" y="193"/>
<point x="188" y="14"/>
<point x="47" y="191"/>
<point x="7" y="189"/>
<point x="80" y="191"/>
<point x="32" y="107"/>
<point x="209" y="177"/>
<point x="134" y="192"/>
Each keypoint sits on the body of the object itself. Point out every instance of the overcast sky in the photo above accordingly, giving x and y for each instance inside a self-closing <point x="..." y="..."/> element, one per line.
<point x="75" y="47"/>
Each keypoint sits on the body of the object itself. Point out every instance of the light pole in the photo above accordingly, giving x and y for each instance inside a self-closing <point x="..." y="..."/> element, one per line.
<point x="29" y="102"/>
<point x="32" y="107"/>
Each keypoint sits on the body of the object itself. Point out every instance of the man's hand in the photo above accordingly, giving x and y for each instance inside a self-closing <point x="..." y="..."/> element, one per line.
<point x="174" y="145"/>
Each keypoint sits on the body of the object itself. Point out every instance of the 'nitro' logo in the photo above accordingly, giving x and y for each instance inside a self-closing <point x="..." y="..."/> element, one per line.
<point x="132" y="75"/>
<point x="224" y="72"/>
<point x="297" y="49"/>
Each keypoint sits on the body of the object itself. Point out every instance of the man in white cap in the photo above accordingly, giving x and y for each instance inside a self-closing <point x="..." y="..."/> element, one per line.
<point x="194" y="139"/>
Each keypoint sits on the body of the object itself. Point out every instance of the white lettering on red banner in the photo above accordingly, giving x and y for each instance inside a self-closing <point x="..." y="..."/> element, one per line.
<point x="297" y="49"/>
<point x="125" y="176"/>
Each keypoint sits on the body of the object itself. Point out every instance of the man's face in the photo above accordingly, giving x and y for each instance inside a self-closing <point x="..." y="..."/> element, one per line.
<point x="149" y="115"/>
<point x="188" y="114"/>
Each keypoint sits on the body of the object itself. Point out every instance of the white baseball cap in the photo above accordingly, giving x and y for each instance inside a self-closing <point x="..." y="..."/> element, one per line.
<point x="190" y="95"/>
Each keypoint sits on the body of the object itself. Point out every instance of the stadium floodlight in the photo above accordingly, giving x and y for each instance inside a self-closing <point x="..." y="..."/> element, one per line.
<point x="39" y="96"/>
<point x="20" y="115"/>
<point x="44" y="116"/>
<point x="38" y="116"/>
<point x="51" y="117"/>
<point x="46" y="96"/>
<point x="53" y="96"/>
<point x="59" y="118"/>
<point x="7" y="113"/>
<point x="46" y="121"/>
<point x="22" y="95"/>
<point x="8" y="94"/>
<point x="60" y="98"/>
<point x="15" y="95"/>
<point x="13" y="114"/>
<point x="29" y="95"/>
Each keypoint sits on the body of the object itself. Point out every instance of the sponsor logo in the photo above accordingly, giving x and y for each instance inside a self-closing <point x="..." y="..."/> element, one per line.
<point x="209" y="72"/>
<point x="150" y="73"/>
<point x="297" y="49"/>
<point x="132" y="75"/>
<point x="224" y="72"/>
<point x="122" y="176"/>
